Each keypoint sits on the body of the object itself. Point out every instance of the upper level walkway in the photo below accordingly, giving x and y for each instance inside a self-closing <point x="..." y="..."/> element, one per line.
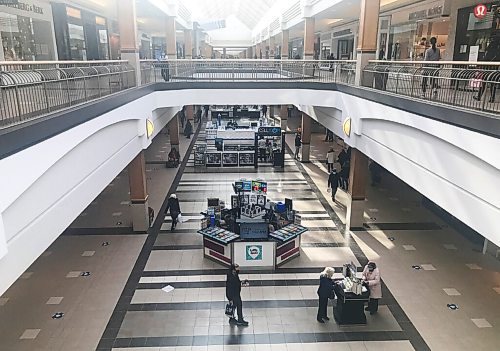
<point x="30" y="90"/>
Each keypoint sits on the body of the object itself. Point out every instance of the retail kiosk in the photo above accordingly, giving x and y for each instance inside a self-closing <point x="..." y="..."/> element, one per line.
<point x="255" y="233"/>
<point x="351" y="297"/>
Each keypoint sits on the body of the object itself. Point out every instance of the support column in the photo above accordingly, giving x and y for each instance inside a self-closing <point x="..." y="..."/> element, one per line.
<point x="138" y="193"/>
<point x="271" y="113"/>
<point x="188" y="43"/>
<point x="129" y="47"/>
<point x="285" y="38"/>
<point x="272" y="47"/>
<point x="357" y="189"/>
<point x="173" y="131"/>
<point x="309" y="38"/>
<point x="171" y="40"/>
<point x="284" y="117"/>
<point x="190" y="114"/>
<point x="306" y="138"/>
<point x="224" y="53"/>
<point x="367" y="39"/>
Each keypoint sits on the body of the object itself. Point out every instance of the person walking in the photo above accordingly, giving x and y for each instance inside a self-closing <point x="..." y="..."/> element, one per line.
<point x="182" y="115"/>
<point x="175" y="209"/>
<point x="233" y="292"/>
<point x="333" y="182"/>
<point x="264" y="111"/>
<point x="188" y="130"/>
<point x="371" y="277"/>
<point x="431" y="54"/>
<point x="325" y="292"/>
<point x="298" y="144"/>
<point x="330" y="159"/>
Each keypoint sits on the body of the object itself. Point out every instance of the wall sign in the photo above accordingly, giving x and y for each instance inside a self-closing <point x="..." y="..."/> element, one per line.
<point x="480" y="11"/>
<point x="254" y="252"/>
<point x="429" y="13"/>
<point x="23" y="6"/>
<point x="269" y="131"/>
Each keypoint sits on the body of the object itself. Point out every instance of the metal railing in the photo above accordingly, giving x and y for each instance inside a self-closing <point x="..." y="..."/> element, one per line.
<point x="471" y="85"/>
<point x="248" y="70"/>
<point x="30" y="90"/>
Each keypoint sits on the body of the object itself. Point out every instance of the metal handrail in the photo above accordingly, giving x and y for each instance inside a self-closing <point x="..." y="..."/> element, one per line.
<point x="471" y="85"/>
<point x="43" y="87"/>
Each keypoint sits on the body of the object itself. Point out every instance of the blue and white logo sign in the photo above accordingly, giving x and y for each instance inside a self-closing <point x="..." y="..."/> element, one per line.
<point x="254" y="252"/>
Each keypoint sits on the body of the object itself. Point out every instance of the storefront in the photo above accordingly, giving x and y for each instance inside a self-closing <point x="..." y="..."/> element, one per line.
<point x="26" y="32"/>
<point x="474" y="31"/>
<point x="411" y="29"/>
<point x="344" y="42"/>
<point x="296" y="48"/>
<point x="80" y="35"/>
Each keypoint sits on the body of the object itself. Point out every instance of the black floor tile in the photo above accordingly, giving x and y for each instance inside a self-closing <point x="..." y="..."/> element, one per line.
<point x="277" y="338"/>
<point x="212" y="340"/>
<point x="138" y="342"/>
<point x="122" y="342"/>
<point x="185" y="340"/>
<point x="307" y="337"/>
<point x="323" y="337"/>
<point x="292" y="338"/>
<point x="262" y="338"/>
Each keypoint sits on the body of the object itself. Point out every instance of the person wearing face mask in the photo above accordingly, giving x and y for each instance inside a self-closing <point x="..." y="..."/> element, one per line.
<point x="233" y="292"/>
<point x="371" y="277"/>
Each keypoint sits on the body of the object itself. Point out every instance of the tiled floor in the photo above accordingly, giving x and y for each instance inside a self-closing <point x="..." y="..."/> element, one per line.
<point x="121" y="305"/>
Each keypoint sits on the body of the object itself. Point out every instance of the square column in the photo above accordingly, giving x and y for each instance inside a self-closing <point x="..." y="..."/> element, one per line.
<point x="190" y="114"/>
<point x="188" y="44"/>
<point x="173" y="131"/>
<point x="284" y="117"/>
<point x="357" y="189"/>
<point x="285" y="38"/>
<point x="309" y="38"/>
<point x="367" y="38"/>
<point x="272" y="47"/>
<point x="171" y="40"/>
<point x="306" y="138"/>
<point x="129" y="47"/>
<point x="138" y="193"/>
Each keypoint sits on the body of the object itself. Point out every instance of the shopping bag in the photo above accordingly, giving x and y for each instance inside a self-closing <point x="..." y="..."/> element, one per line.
<point x="230" y="310"/>
<point x="181" y="218"/>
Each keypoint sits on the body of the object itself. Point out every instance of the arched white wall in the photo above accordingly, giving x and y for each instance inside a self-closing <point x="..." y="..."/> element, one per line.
<point x="51" y="182"/>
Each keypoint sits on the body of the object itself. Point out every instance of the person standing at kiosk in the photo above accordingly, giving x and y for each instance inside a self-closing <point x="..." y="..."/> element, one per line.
<point x="325" y="291"/>
<point x="233" y="292"/>
<point x="371" y="276"/>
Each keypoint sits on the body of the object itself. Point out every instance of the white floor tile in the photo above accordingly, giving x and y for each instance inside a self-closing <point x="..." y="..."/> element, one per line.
<point x="54" y="300"/>
<point x="452" y="292"/>
<point x="409" y="247"/>
<point x="473" y="266"/>
<point x="73" y="274"/>
<point x="450" y="247"/>
<point x="47" y="253"/>
<point x="428" y="267"/>
<point x="481" y="323"/>
<point x="88" y="253"/>
<point x="117" y="214"/>
<point x="30" y="334"/>
<point x="125" y="203"/>
<point x="26" y="275"/>
<point x="3" y="301"/>
<point x="497" y="290"/>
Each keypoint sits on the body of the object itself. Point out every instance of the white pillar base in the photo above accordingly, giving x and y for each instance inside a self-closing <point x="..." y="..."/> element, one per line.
<point x="133" y="60"/>
<point x="355" y="214"/>
<point x="140" y="217"/>
<point x="362" y="60"/>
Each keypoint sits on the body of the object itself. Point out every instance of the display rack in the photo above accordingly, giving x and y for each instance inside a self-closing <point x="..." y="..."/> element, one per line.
<point x="220" y="235"/>
<point x="288" y="232"/>
<point x="213" y="159"/>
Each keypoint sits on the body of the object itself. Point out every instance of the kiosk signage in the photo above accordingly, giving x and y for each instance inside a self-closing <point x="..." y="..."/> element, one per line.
<point x="269" y="131"/>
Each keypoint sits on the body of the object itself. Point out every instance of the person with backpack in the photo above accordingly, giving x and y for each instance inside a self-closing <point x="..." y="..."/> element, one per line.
<point x="233" y="293"/>
<point x="175" y="209"/>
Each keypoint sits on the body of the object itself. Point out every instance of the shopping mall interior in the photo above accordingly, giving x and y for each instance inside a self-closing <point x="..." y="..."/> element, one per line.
<point x="189" y="175"/>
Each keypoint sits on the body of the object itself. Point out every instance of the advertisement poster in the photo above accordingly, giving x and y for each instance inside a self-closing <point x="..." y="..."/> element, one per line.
<point x="254" y="252"/>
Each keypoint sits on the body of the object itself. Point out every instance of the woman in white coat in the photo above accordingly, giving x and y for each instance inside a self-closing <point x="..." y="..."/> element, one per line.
<point x="371" y="275"/>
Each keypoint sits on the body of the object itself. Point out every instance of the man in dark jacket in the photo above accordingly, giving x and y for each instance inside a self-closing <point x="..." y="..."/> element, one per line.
<point x="333" y="182"/>
<point x="175" y="209"/>
<point x="325" y="292"/>
<point x="233" y="292"/>
<point x="188" y="130"/>
<point x="298" y="144"/>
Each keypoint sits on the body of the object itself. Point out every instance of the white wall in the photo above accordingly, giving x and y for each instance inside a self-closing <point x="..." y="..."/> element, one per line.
<point x="454" y="167"/>
<point x="45" y="187"/>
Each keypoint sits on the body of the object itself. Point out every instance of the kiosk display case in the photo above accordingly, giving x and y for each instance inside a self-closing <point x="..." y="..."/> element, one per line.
<point x="218" y="234"/>
<point x="230" y="159"/>
<point x="214" y="159"/>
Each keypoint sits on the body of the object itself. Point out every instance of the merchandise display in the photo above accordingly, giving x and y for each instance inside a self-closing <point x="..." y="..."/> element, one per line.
<point x="288" y="232"/>
<point x="221" y="235"/>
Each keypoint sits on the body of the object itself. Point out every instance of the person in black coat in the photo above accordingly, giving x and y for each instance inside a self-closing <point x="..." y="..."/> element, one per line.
<point x="233" y="292"/>
<point x="188" y="130"/>
<point x="298" y="144"/>
<point x="175" y="209"/>
<point x="325" y="291"/>
<point x="333" y="182"/>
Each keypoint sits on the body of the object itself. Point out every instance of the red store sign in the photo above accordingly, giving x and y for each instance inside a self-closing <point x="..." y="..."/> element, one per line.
<point x="480" y="11"/>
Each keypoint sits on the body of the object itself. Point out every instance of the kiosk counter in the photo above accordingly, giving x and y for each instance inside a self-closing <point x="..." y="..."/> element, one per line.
<point x="246" y="234"/>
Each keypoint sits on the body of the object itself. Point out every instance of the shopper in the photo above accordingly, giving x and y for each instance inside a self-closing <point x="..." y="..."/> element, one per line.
<point x="264" y="111"/>
<point x="344" y="175"/>
<point x="371" y="277"/>
<point x="375" y="172"/>
<point x="182" y="115"/>
<point x="188" y="130"/>
<point x="175" y="209"/>
<point x="342" y="157"/>
<point x="233" y="292"/>
<point x="431" y="54"/>
<point x="490" y="74"/>
<point x="219" y="120"/>
<point x="298" y="144"/>
<point x="325" y="292"/>
<point x="333" y="182"/>
<point x="330" y="159"/>
<point x="174" y="157"/>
